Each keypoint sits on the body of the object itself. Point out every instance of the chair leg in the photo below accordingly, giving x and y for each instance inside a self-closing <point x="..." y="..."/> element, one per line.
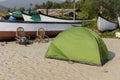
<point x="18" y="41"/>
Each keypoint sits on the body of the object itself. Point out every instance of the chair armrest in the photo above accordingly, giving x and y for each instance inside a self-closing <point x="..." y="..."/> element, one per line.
<point x="17" y="37"/>
<point x="47" y="38"/>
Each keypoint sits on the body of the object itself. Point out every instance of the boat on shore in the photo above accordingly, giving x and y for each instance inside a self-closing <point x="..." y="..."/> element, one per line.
<point x="8" y="28"/>
<point x="105" y="25"/>
<point x="45" y="18"/>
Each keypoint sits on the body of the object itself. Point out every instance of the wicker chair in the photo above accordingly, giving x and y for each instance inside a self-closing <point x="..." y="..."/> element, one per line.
<point x="19" y="34"/>
<point x="41" y="36"/>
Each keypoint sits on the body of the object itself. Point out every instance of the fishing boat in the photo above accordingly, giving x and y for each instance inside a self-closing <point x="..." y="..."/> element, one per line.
<point x="119" y="21"/>
<point x="105" y="25"/>
<point x="45" y="18"/>
<point x="8" y="28"/>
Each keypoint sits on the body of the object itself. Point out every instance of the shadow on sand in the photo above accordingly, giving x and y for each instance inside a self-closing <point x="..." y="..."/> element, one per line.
<point x="112" y="55"/>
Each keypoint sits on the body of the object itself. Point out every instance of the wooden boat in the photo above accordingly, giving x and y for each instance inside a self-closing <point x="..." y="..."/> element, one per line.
<point x="45" y="18"/>
<point x="119" y="21"/>
<point x="105" y="25"/>
<point x="8" y="28"/>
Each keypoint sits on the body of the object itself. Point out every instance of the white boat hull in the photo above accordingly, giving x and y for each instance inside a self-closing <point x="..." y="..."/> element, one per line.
<point x="27" y="18"/>
<point x="51" y="19"/>
<point x="8" y="29"/>
<point x="105" y="25"/>
<point x="44" y="18"/>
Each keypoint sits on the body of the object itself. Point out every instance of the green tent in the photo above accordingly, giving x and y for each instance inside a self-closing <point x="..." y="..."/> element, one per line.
<point x="79" y="44"/>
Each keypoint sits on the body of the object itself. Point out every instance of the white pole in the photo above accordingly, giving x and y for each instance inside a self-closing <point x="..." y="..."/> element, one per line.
<point x="101" y="7"/>
<point x="74" y="11"/>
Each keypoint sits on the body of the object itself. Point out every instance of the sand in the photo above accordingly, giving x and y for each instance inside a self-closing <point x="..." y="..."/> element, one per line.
<point x="19" y="62"/>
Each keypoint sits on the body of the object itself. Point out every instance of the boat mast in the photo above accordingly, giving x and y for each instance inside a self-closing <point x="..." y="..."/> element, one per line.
<point x="74" y="11"/>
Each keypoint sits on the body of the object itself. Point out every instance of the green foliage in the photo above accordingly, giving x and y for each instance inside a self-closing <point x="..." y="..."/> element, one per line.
<point x="90" y="24"/>
<point x="82" y="15"/>
<point x="91" y="7"/>
<point x="50" y="4"/>
<point x="109" y="34"/>
<point x="110" y="8"/>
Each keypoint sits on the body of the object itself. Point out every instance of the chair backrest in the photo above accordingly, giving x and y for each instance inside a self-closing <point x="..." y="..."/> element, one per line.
<point x="41" y="32"/>
<point x="20" y="31"/>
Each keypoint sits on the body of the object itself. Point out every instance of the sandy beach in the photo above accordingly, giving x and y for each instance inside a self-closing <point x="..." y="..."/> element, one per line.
<point x="19" y="62"/>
